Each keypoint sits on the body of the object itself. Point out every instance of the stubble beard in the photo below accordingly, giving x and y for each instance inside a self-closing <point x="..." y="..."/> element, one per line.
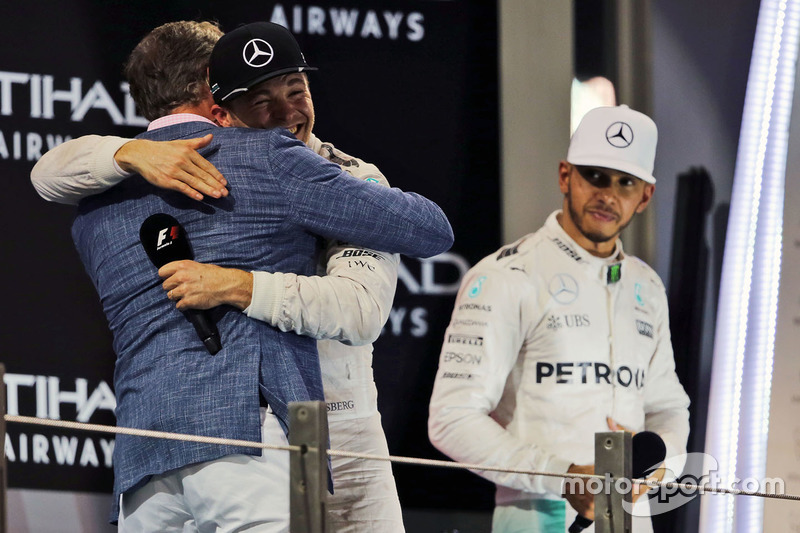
<point x="597" y="238"/>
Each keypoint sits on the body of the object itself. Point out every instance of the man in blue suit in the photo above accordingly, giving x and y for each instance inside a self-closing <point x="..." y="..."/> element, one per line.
<point x="282" y="197"/>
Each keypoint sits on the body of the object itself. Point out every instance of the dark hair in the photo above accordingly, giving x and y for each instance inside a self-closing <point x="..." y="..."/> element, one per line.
<point x="167" y="69"/>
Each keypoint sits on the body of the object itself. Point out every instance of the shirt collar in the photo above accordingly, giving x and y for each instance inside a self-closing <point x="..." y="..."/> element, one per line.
<point x="176" y="118"/>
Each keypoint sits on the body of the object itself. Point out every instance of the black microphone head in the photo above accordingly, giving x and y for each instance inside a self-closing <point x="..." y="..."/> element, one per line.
<point x="647" y="450"/>
<point x="164" y="240"/>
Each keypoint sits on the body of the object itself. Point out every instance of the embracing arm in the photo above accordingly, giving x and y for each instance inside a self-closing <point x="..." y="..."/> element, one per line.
<point x="350" y="304"/>
<point x="329" y="202"/>
<point x="78" y="168"/>
<point x="91" y="164"/>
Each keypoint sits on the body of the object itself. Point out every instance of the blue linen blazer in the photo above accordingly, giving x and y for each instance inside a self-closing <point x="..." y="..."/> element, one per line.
<point x="283" y="197"/>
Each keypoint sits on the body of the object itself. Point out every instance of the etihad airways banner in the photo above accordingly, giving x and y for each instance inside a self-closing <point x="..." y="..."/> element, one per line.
<point x="408" y="85"/>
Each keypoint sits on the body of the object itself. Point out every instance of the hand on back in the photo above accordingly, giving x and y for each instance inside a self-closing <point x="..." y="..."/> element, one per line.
<point x="174" y="165"/>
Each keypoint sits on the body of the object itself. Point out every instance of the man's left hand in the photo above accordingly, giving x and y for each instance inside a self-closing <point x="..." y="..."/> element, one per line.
<point x="174" y="165"/>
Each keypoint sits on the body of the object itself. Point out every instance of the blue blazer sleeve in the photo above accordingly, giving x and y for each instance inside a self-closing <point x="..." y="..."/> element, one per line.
<point x="354" y="210"/>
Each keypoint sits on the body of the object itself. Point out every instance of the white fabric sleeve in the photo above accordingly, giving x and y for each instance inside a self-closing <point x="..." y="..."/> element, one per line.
<point x="666" y="404"/>
<point x="479" y="355"/>
<point x="352" y="302"/>
<point x="356" y="167"/>
<point x="78" y="168"/>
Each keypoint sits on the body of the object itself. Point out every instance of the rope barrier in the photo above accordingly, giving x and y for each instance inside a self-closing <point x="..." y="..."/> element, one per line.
<point x="672" y="485"/>
<point x="81" y="426"/>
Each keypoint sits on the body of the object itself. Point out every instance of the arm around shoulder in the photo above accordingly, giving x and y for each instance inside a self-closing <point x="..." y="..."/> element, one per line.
<point x="78" y="168"/>
<point x="329" y="202"/>
<point x="350" y="304"/>
<point x="89" y="165"/>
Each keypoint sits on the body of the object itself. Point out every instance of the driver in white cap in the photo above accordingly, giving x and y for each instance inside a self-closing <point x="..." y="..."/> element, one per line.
<point x="561" y="335"/>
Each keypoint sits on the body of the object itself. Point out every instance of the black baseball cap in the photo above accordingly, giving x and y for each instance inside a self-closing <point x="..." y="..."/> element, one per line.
<point x="249" y="55"/>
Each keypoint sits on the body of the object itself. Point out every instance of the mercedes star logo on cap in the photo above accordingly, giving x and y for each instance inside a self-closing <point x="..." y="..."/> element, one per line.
<point x="257" y="53"/>
<point x="619" y="135"/>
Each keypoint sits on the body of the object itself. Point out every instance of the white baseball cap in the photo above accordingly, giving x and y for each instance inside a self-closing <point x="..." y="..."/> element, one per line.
<point x="618" y="138"/>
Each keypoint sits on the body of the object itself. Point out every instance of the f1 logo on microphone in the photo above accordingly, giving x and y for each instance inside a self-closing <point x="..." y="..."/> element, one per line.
<point x="162" y="236"/>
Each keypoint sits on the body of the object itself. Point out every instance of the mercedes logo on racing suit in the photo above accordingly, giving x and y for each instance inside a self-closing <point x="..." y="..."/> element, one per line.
<point x="563" y="288"/>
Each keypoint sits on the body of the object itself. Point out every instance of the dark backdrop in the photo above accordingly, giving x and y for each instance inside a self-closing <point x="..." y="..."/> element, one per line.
<point x="409" y="85"/>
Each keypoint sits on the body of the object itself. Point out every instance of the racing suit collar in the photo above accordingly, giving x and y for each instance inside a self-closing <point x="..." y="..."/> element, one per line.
<point x="315" y="144"/>
<point x="598" y="266"/>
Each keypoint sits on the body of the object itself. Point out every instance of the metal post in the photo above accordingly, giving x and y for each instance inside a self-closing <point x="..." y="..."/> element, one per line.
<point x="308" y="469"/>
<point x="612" y="457"/>
<point x="3" y="463"/>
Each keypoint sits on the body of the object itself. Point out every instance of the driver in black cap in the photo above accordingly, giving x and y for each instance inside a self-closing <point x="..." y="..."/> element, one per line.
<point x="257" y="77"/>
<point x="256" y="74"/>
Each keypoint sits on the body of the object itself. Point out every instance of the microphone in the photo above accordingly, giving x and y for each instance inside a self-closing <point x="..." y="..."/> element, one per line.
<point x="164" y="240"/>
<point x="647" y="450"/>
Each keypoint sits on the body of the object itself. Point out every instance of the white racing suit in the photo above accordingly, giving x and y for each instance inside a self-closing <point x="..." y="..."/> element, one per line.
<point x="349" y="305"/>
<point x="545" y="342"/>
<point x="345" y="309"/>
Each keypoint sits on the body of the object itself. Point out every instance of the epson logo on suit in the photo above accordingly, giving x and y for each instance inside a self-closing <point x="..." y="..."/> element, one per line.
<point x="350" y="22"/>
<point x="461" y="357"/>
